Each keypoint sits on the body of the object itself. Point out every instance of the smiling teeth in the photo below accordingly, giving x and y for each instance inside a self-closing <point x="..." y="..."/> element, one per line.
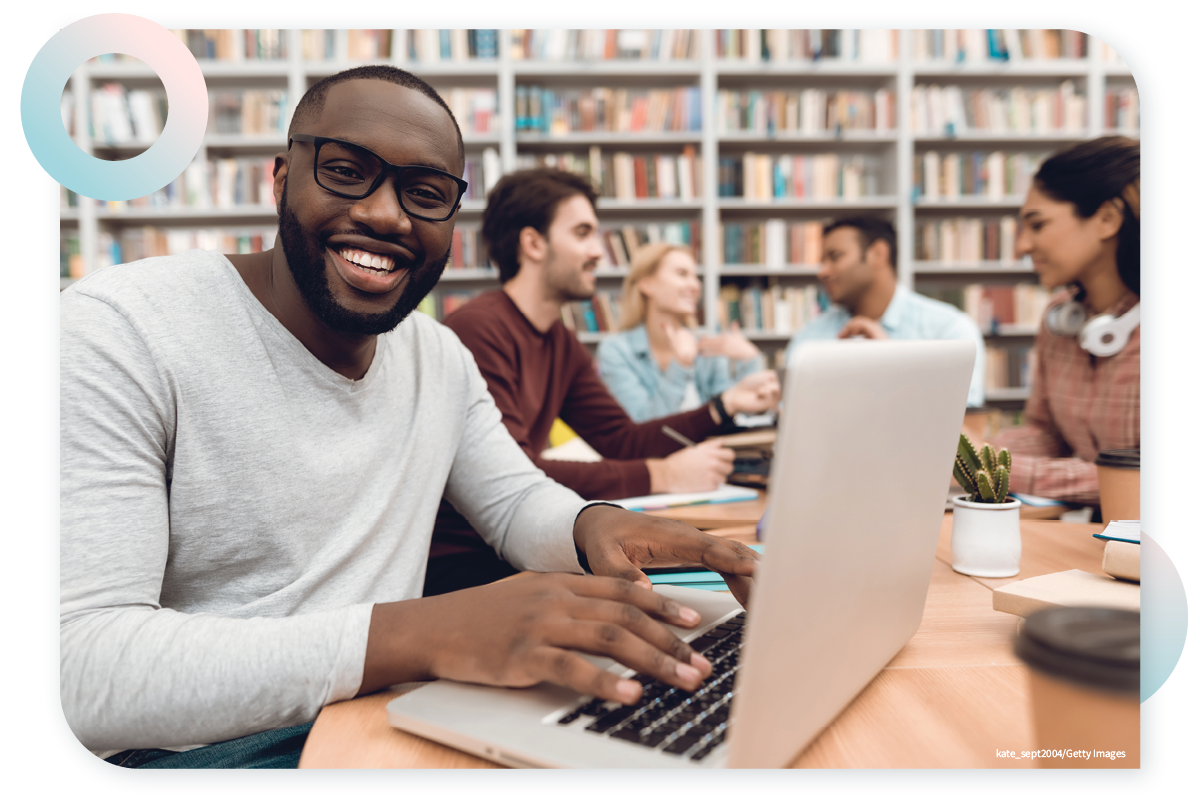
<point x="369" y="260"/>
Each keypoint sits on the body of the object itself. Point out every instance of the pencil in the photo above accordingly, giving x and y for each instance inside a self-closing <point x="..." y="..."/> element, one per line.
<point x="677" y="436"/>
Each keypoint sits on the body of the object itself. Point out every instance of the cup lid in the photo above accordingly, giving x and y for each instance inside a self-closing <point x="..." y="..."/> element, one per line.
<point x="1099" y="647"/>
<point x="1121" y="459"/>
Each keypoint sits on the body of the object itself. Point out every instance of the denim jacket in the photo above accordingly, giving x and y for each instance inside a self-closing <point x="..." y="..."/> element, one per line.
<point x="629" y="370"/>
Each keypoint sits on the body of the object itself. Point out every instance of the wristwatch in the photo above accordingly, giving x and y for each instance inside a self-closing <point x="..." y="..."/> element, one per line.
<point x="719" y="407"/>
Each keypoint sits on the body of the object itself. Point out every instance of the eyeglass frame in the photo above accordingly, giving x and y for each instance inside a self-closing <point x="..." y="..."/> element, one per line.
<point x="388" y="168"/>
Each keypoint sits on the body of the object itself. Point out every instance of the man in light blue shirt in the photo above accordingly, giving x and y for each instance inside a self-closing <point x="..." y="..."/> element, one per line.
<point x="858" y="271"/>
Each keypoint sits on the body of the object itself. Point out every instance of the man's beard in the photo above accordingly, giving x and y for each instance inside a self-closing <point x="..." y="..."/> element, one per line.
<point x="306" y="261"/>
<point x="567" y="283"/>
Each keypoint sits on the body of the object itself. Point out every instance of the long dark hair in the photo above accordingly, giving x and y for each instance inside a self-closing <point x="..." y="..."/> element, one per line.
<point x="1089" y="174"/>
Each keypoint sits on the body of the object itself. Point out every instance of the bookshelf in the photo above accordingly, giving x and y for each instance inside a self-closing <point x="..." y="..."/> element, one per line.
<point x="862" y="122"/>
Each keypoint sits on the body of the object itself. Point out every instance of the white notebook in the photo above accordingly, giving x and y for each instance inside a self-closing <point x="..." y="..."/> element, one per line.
<point x="722" y="494"/>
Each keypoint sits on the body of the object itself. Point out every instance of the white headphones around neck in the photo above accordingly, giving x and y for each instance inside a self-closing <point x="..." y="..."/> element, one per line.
<point x="1102" y="335"/>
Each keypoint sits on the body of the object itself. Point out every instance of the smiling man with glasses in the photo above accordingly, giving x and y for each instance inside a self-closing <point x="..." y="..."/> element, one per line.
<point x="253" y="450"/>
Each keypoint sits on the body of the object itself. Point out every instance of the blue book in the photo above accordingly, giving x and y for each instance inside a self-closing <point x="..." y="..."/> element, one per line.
<point x="444" y="44"/>
<point x="589" y="316"/>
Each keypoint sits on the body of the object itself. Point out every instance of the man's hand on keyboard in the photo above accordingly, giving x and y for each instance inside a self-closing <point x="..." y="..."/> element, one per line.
<point x="522" y="631"/>
<point x="619" y="543"/>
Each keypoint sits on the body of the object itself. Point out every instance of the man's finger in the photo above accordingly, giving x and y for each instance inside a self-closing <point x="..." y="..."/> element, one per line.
<point x="572" y="670"/>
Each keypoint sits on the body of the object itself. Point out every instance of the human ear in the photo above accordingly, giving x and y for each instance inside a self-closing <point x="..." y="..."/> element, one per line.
<point x="280" y="175"/>
<point x="1109" y="218"/>
<point x="877" y="254"/>
<point x="532" y="243"/>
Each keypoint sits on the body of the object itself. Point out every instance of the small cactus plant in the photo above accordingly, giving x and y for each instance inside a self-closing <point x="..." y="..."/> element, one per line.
<point x="983" y="475"/>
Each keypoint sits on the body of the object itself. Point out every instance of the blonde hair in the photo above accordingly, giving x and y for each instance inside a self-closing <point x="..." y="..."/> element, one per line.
<point x="644" y="263"/>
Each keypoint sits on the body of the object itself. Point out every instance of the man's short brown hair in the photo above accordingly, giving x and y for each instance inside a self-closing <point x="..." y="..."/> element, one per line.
<point x="526" y="199"/>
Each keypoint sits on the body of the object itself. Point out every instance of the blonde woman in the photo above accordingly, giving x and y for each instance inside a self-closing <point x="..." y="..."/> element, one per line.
<point x="656" y="366"/>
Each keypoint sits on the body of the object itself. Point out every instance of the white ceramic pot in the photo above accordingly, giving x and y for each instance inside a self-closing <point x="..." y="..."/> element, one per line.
<point x="986" y="538"/>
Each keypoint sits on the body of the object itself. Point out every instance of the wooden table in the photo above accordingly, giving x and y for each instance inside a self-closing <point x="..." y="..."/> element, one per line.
<point x="950" y="698"/>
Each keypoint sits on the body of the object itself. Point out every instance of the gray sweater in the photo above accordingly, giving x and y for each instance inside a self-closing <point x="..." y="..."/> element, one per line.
<point x="231" y="508"/>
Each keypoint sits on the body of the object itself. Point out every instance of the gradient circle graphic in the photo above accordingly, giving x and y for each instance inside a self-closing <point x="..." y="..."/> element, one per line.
<point x="1164" y="616"/>
<point x="42" y="120"/>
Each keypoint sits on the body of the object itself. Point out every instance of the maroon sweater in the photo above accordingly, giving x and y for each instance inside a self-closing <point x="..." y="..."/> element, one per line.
<point x="536" y="377"/>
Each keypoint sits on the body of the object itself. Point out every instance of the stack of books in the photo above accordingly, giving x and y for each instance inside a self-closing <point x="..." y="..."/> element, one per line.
<point x="430" y="46"/>
<point x="996" y="175"/>
<point x="773" y="243"/>
<point x="825" y="176"/>
<point x="602" y="45"/>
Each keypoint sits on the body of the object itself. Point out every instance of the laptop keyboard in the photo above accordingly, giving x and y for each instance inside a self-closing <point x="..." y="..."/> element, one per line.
<point x="687" y="724"/>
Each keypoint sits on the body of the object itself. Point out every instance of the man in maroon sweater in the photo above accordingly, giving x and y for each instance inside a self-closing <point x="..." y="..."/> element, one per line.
<point x="541" y="230"/>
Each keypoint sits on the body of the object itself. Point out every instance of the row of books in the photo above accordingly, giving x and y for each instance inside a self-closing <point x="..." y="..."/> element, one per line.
<point x="123" y="116"/>
<point x="995" y="175"/>
<point x="440" y="303"/>
<point x="983" y="45"/>
<point x="869" y="46"/>
<point x="600" y="314"/>
<point x="806" y="111"/>
<point x="950" y="110"/>
<point x="1121" y="112"/>
<point x="482" y="172"/>
<point x="248" y="112"/>
<point x="771" y="309"/>
<point x="623" y="176"/>
<point x="467" y="250"/>
<point x="1008" y="367"/>
<point x="428" y="46"/>
<point x="621" y="242"/>
<point x="996" y="307"/>
<point x="773" y="243"/>
<point x="474" y="109"/>
<point x="756" y="176"/>
<point x="235" y="45"/>
<point x="561" y="111"/>
<point x="135" y="243"/>
<point x="602" y="45"/>
<point x="966" y="239"/>
<point x="214" y="183"/>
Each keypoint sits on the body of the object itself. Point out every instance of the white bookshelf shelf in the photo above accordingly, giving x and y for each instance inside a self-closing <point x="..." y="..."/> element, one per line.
<point x="794" y="137"/>
<point x="1008" y="202"/>
<point x="1048" y="68"/>
<point x="923" y="268"/>
<point x="610" y="138"/>
<point x="831" y="68"/>
<point x="614" y="68"/>
<point x="764" y="271"/>
<point x="174" y="216"/>
<point x="1014" y="137"/>
<point x="648" y="204"/>
<point x="835" y="204"/>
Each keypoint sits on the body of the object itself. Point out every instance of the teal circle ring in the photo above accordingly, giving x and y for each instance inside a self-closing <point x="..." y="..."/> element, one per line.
<point x="41" y="117"/>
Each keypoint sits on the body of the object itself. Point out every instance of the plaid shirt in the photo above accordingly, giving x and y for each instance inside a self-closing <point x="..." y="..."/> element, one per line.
<point x="1079" y="405"/>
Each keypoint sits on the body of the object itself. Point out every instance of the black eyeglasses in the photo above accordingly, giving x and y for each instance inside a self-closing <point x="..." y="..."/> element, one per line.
<point x="354" y="172"/>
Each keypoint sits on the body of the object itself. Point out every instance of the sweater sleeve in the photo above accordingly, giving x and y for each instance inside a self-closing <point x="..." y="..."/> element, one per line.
<point x="622" y="376"/>
<point x="133" y="673"/>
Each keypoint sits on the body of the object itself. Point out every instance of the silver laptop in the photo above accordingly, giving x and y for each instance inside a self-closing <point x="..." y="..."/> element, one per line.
<point x="867" y="439"/>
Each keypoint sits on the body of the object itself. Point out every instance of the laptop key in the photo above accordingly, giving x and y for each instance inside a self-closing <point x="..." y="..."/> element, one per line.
<point x="612" y="719"/>
<point x="682" y="744"/>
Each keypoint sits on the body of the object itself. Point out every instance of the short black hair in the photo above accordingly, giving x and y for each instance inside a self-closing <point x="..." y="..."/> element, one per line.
<point x="870" y="230"/>
<point x="1092" y="173"/>
<point x="528" y="198"/>
<point x="313" y="101"/>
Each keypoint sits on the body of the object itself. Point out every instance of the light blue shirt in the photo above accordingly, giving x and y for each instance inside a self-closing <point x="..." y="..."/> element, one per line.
<point x="908" y="316"/>
<point x="630" y="372"/>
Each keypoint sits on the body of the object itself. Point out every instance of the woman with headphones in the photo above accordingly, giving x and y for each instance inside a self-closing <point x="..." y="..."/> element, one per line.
<point x="1081" y="226"/>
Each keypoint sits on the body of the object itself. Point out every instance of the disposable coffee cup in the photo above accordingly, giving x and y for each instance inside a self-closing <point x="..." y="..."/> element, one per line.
<point x="1084" y="682"/>
<point x="1120" y="477"/>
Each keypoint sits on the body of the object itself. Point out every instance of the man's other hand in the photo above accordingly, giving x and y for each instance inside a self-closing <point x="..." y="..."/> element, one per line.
<point x="864" y="327"/>
<point x="753" y="394"/>
<point x="693" y="469"/>
<point x="620" y="543"/>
